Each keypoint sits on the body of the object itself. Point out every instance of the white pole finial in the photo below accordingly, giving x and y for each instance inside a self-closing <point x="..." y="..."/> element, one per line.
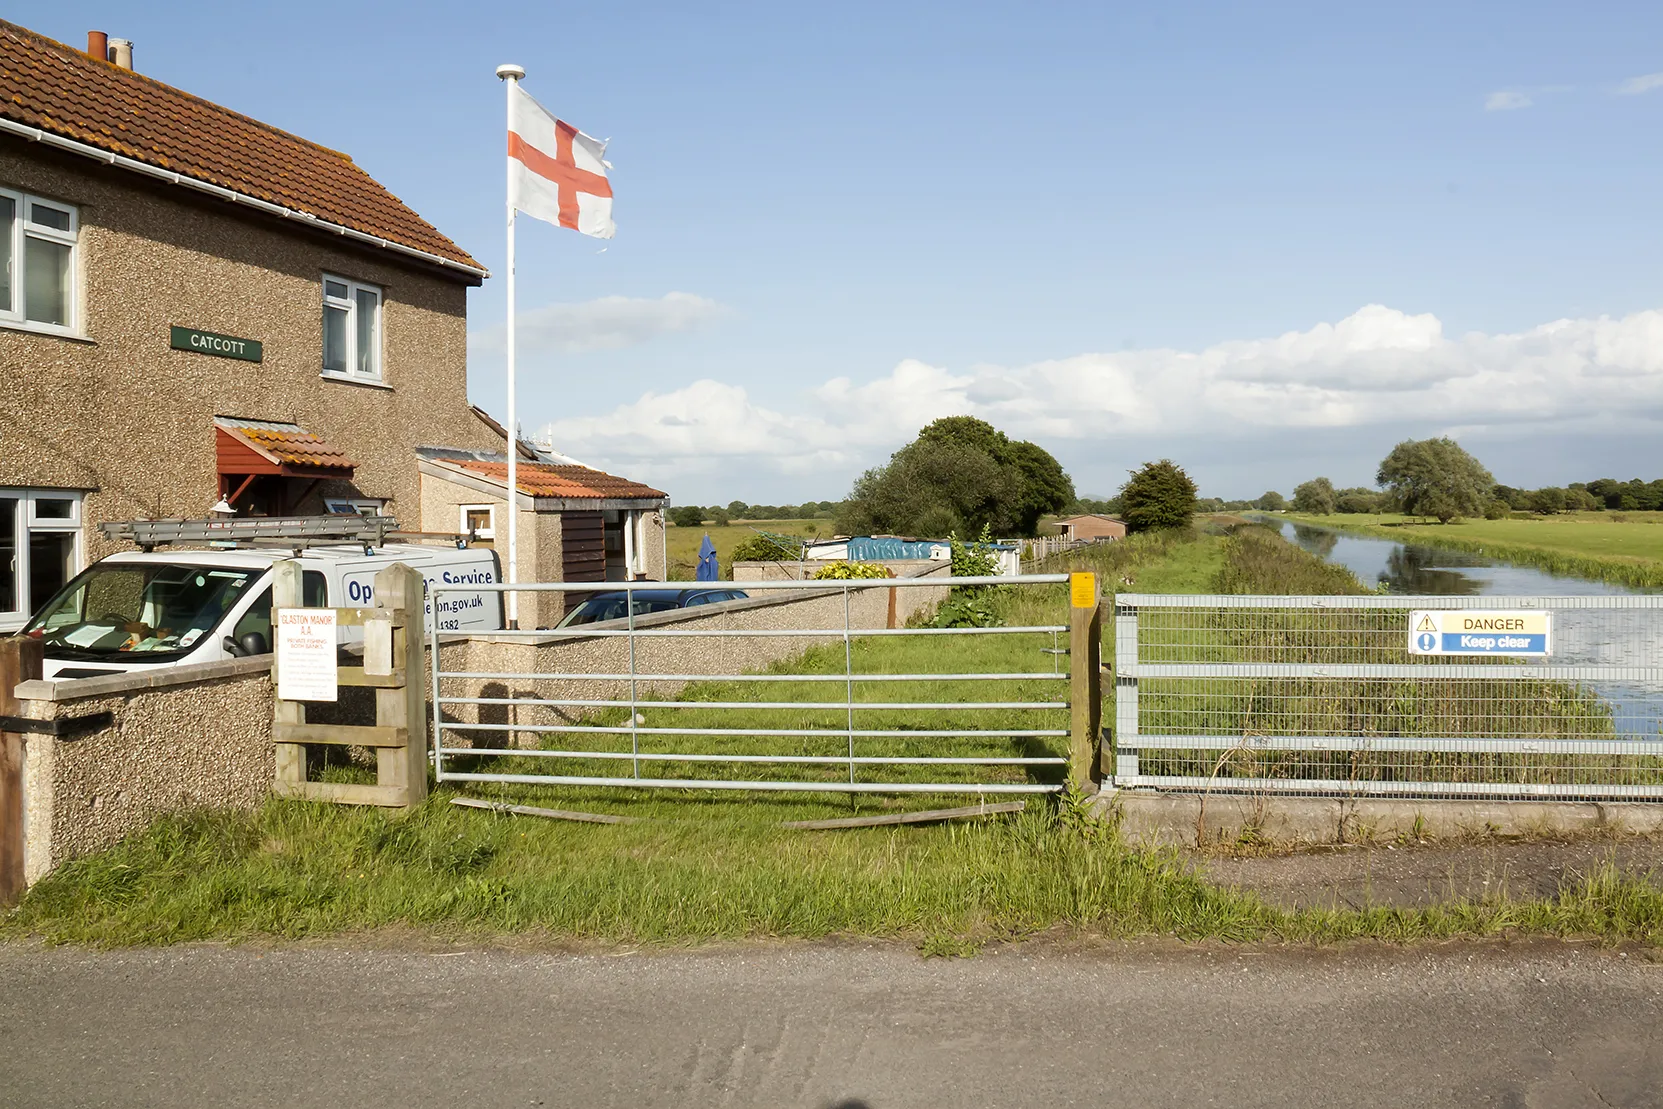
<point x="510" y="76"/>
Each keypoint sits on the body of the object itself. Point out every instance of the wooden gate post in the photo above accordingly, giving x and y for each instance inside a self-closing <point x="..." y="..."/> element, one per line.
<point x="400" y="589"/>
<point x="1085" y="689"/>
<point x="20" y="661"/>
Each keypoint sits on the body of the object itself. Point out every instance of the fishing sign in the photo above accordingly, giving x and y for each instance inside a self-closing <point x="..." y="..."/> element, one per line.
<point x="1480" y="632"/>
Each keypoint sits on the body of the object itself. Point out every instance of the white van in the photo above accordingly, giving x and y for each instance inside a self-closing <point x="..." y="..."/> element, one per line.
<point x="139" y="609"/>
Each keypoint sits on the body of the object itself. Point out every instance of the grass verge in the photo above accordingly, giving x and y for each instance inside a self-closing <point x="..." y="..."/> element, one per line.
<point x="1581" y="545"/>
<point x="295" y="871"/>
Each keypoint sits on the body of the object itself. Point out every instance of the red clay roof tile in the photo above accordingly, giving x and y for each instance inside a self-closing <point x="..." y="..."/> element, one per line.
<point x="290" y="444"/>
<point x="56" y="88"/>
<point x="543" y="479"/>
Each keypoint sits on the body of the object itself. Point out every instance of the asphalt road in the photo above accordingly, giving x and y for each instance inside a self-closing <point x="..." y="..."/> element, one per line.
<point x="820" y="1026"/>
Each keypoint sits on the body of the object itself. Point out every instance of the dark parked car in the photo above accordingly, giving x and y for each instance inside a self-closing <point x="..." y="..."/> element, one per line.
<point x="610" y="606"/>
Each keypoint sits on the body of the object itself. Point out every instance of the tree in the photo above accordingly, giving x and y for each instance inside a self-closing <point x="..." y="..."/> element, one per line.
<point x="1547" y="502"/>
<point x="1578" y="499"/>
<point x="1357" y="500"/>
<point x="1271" y="501"/>
<point x="1158" y="495"/>
<point x="1435" y="477"/>
<point x="960" y="475"/>
<point x="1315" y="496"/>
<point x="721" y="517"/>
<point x="687" y="516"/>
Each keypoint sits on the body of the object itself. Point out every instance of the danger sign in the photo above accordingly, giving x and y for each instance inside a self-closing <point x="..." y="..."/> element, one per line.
<point x="1480" y="632"/>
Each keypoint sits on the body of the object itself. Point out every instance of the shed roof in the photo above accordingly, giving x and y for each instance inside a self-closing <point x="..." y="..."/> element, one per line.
<point x="63" y="91"/>
<point x="543" y="479"/>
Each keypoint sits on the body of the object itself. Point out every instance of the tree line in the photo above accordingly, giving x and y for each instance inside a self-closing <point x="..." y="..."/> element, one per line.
<point x="1439" y="479"/>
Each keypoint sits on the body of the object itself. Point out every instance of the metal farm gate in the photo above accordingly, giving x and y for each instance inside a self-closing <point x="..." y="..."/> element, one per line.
<point x="805" y="686"/>
<point x="1335" y="696"/>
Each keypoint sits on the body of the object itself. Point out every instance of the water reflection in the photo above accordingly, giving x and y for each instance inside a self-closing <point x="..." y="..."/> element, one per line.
<point x="1415" y="570"/>
<point x="1319" y="541"/>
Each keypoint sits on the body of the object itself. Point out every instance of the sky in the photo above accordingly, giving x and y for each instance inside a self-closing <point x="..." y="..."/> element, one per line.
<point x="1267" y="241"/>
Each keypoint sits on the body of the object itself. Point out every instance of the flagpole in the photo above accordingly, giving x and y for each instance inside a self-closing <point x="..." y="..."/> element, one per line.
<point x="510" y="76"/>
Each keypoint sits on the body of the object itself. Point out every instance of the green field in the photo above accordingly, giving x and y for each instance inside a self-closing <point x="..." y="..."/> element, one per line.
<point x="1624" y="547"/>
<point x="682" y="544"/>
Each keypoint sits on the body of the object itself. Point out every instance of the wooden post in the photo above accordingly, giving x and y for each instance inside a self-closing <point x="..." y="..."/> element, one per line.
<point x="1085" y="691"/>
<point x="399" y="588"/>
<point x="20" y="661"/>
<point x="286" y="592"/>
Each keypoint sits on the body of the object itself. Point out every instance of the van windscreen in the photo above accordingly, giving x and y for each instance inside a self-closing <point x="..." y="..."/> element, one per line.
<point x="138" y="612"/>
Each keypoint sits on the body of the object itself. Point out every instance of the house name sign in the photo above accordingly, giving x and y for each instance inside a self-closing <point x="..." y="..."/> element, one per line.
<point x="222" y="346"/>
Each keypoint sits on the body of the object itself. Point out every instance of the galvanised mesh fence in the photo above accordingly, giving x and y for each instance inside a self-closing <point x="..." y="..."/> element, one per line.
<point x="1322" y="695"/>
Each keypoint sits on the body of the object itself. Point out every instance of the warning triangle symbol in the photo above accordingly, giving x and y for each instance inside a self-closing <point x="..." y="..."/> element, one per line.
<point x="1426" y="625"/>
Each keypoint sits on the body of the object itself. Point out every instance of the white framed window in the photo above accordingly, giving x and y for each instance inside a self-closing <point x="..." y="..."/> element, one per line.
<point x="40" y="549"/>
<point x="38" y="262"/>
<point x="355" y="506"/>
<point x="478" y="520"/>
<point x="351" y="329"/>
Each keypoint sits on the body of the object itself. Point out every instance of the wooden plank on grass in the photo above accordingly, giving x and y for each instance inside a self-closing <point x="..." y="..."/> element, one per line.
<point x="552" y="814"/>
<point x="928" y="816"/>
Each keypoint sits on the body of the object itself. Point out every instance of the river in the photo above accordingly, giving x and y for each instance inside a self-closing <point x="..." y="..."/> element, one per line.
<point x="1603" y="637"/>
<point x="1412" y="569"/>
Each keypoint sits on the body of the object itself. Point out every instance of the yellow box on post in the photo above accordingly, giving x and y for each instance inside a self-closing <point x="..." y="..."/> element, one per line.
<point x="1085" y="692"/>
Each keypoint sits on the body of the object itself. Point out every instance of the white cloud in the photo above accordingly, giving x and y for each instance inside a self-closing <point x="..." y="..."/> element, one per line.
<point x="1636" y="85"/>
<point x="1507" y="100"/>
<point x="606" y="323"/>
<point x="1378" y="367"/>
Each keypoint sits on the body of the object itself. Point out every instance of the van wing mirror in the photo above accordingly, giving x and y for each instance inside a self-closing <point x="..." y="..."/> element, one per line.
<point x="254" y="643"/>
<point x="231" y="647"/>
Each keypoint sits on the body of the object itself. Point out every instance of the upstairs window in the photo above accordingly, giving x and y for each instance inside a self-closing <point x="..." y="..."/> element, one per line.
<point x="37" y="261"/>
<point x="351" y="329"/>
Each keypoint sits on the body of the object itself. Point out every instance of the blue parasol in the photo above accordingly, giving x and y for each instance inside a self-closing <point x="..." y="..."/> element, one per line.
<point x="708" y="569"/>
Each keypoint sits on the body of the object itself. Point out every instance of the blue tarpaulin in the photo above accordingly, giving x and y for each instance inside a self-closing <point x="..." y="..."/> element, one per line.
<point x="864" y="548"/>
<point x="708" y="569"/>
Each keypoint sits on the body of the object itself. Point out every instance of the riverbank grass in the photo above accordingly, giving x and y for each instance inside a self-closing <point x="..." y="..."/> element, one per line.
<point x="1602" y="546"/>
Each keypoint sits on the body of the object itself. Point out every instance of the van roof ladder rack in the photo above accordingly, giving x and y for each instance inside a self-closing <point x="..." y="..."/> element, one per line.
<point x="297" y="531"/>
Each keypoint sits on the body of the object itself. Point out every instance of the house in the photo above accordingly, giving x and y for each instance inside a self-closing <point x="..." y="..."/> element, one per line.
<point x="212" y="312"/>
<point x="1091" y="528"/>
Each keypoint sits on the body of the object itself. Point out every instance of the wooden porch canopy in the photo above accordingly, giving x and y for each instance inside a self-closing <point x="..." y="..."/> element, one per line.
<point x="246" y="450"/>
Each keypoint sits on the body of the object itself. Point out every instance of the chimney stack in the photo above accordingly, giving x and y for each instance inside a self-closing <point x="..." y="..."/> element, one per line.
<point x="121" y="52"/>
<point x="98" y="45"/>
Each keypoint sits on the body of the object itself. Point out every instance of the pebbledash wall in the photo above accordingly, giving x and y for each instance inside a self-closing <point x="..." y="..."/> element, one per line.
<point x="120" y="415"/>
<point x="199" y="737"/>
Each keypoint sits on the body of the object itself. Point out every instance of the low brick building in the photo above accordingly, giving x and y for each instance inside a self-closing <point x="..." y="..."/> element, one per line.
<point x="209" y="307"/>
<point x="1091" y="526"/>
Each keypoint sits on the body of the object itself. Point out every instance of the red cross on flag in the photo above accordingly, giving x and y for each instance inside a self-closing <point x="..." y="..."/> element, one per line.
<point x="556" y="172"/>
